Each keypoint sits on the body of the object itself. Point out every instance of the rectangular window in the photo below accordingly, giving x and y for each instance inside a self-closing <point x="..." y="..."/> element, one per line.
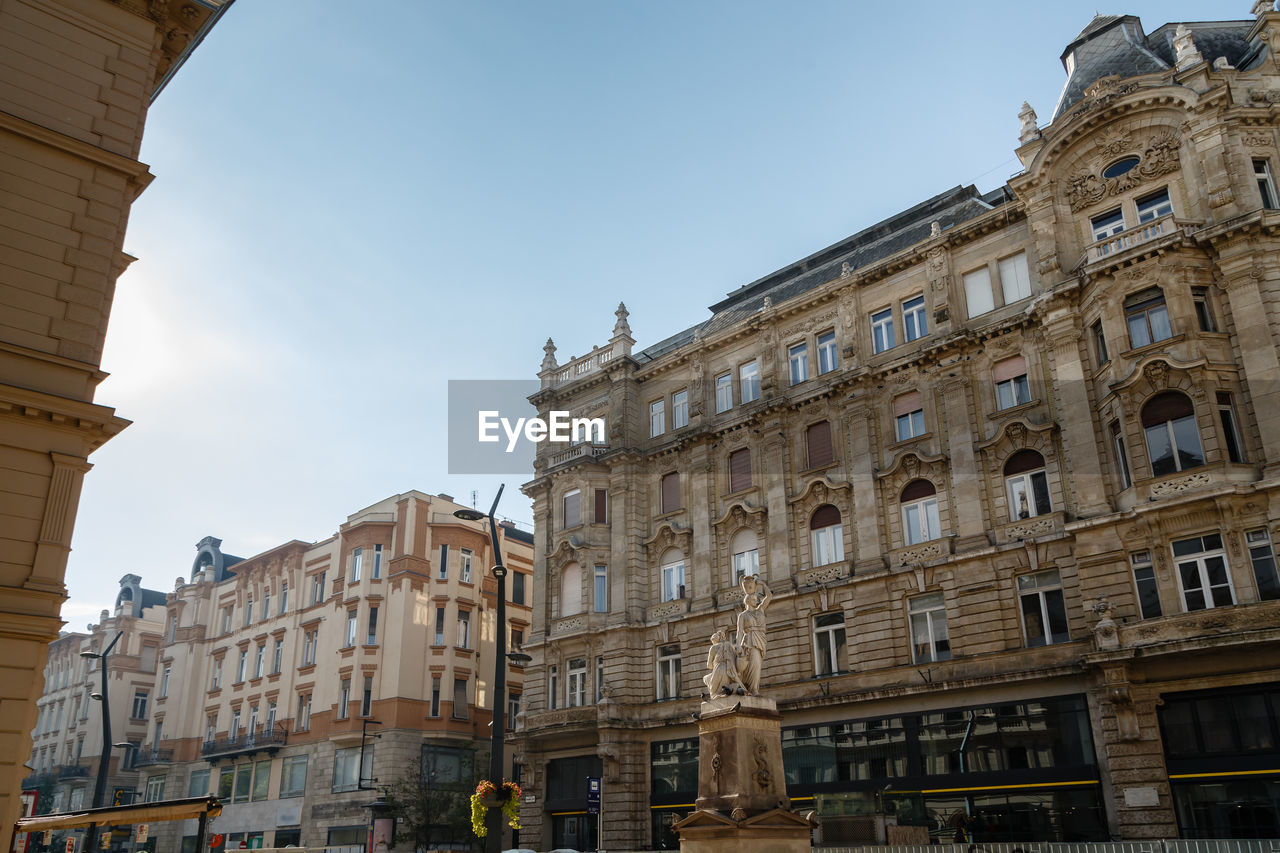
<point x="517" y="588"/>
<point x="668" y="672"/>
<point x="377" y="561"/>
<point x="1148" y="320"/>
<point x="1012" y="387"/>
<point x="303" y="720"/>
<point x="261" y="780"/>
<point x="739" y="470"/>
<point x="920" y="521"/>
<point x="1044" y="612"/>
<point x="259" y="660"/>
<point x="227" y="614"/>
<point x="293" y="776"/>
<point x="1266" y="185"/>
<point x="577" y="687"/>
<point x="366" y="697"/>
<point x="724" y="392"/>
<point x="215" y="681"/>
<point x="164" y="682"/>
<point x="517" y="643"/>
<point x="226" y="783"/>
<point x="828" y="358"/>
<point x="1028" y="494"/>
<point x="798" y="359"/>
<point x="1099" y="343"/>
<point x="827" y="543"/>
<point x="244" y="782"/>
<point x="929" y="640"/>
<point x="670" y="492"/>
<point x="242" y="665"/>
<point x="443" y="574"/>
<point x="277" y="656"/>
<point x="1144" y="580"/>
<point x="914" y="323"/>
<point x="1204" y="310"/>
<point x="284" y="596"/>
<point x="977" y="292"/>
<point x="908" y="415"/>
<point x="371" y="634"/>
<point x="657" y="418"/>
<point x="513" y="710"/>
<point x="1154" y="206"/>
<point x="344" y="698"/>
<point x="435" y="695"/>
<point x="271" y="716"/>
<point x="352" y="615"/>
<point x="349" y="771"/>
<point x="198" y="783"/>
<point x="1263" y="557"/>
<point x="679" y="409"/>
<point x="817" y="442"/>
<point x="439" y="626"/>
<point x="317" y="588"/>
<point x="357" y="563"/>
<point x="248" y="611"/>
<point x="1203" y="576"/>
<point x="460" y="711"/>
<point x="464" y="630"/>
<point x="464" y="561"/>
<point x="1122" y="458"/>
<point x="749" y="381"/>
<point x="1107" y="225"/>
<point x="1015" y="281"/>
<point x="602" y="506"/>
<point x="139" y="711"/>
<point x="673" y="581"/>
<point x="155" y="789"/>
<point x="266" y="605"/>
<point x="1230" y="433"/>
<point x="210" y="728"/>
<point x="882" y="331"/>
<point x="309" y="648"/>
<point x="553" y="687"/>
<point x="571" y="506"/>
<point x="235" y="723"/>
<point x="600" y="590"/>
<point x="828" y="643"/>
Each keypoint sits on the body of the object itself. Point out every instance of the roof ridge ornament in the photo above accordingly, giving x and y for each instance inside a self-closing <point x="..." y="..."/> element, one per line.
<point x="1028" y="118"/>
<point x="1262" y="7"/>
<point x="1185" y="46"/>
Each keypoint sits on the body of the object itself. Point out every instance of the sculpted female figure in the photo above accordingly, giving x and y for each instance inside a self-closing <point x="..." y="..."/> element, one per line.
<point x="722" y="660"/>
<point x="751" y="632"/>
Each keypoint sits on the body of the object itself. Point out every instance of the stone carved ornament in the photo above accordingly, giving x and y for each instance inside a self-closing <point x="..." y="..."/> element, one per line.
<point x="735" y="666"/>
<point x="1159" y="157"/>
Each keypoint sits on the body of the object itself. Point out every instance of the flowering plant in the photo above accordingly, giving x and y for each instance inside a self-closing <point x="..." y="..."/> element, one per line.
<point x="486" y="793"/>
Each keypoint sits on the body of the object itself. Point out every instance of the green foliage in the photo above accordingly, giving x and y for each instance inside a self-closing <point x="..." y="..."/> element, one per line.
<point x="430" y="814"/>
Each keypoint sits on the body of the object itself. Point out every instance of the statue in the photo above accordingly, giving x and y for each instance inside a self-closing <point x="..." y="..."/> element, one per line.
<point x="1185" y="46"/>
<point x="751" y="632"/>
<point x="722" y="660"/>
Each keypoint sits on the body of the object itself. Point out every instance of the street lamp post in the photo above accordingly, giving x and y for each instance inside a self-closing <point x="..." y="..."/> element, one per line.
<point x="100" y="789"/>
<point x="493" y="819"/>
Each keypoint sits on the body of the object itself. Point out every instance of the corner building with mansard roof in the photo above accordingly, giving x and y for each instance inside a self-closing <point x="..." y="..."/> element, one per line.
<point x="1009" y="462"/>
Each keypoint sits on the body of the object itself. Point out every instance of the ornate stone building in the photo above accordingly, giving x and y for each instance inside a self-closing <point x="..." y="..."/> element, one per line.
<point x="1009" y="463"/>
<point x="79" y="76"/>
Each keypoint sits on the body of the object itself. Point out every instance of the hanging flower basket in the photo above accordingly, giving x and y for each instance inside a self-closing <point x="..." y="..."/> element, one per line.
<point x="488" y="796"/>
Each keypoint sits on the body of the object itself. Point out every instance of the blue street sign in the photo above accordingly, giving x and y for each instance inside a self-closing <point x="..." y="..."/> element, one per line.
<point x="593" y="795"/>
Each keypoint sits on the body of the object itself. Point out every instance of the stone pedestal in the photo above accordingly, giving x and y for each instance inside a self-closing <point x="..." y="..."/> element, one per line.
<point x="742" y="803"/>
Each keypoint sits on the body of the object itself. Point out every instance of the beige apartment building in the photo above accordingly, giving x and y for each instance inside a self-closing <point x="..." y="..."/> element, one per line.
<point x="1009" y="464"/>
<point x="293" y="683"/>
<point x="77" y="79"/>
<point x="67" y="738"/>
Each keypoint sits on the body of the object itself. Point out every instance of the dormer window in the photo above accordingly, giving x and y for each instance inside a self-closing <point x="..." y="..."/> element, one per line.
<point x="1154" y="206"/>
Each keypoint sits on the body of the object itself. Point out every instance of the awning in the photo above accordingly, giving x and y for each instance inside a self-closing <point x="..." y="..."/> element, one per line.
<point x="116" y="815"/>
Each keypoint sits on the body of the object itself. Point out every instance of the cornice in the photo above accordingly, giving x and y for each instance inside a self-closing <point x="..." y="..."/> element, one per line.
<point x="138" y="174"/>
<point x="97" y="424"/>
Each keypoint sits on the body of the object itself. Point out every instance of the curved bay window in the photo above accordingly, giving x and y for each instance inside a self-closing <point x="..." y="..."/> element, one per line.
<point x="826" y="535"/>
<point x="1026" y="485"/>
<point x="746" y="555"/>
<point x="1173" y="439"/>
<point x="920" y="512"/>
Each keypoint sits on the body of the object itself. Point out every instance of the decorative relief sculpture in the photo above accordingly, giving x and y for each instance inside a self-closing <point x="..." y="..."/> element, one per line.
<point x="1185" y="47"/>
<point x="1159" y="157"/>
<point x="752" y="628"/>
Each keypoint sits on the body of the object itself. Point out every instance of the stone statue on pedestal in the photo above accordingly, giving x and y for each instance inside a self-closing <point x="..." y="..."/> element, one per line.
<point x="722" y="660"/>
<point x="752" y="628"/>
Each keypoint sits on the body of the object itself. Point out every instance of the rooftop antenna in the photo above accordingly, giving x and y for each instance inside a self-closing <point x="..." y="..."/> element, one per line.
<point x="474" y="497"/>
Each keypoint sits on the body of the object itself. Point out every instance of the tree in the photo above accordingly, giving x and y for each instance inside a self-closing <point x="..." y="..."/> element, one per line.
<point x="432" y="804"/>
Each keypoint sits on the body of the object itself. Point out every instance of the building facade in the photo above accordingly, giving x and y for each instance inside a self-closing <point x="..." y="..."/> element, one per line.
<point x="79" y="76"/>
<point x="1008" y="463"/>
<point x="294" y="683"/>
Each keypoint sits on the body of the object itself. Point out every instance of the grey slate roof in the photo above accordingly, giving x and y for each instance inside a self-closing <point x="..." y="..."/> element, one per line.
<point x="863" y="249"/>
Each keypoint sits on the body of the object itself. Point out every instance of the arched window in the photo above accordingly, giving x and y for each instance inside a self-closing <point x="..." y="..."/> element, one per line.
<point x="672" y="568"/>
<point x="1026" y="485"/>
<point x="920" y="512"/>
<point x="1173" y="440"/>
<point x="746" y="556"/>
<point x="826" y="535"/>
<point x="571" y="589"/>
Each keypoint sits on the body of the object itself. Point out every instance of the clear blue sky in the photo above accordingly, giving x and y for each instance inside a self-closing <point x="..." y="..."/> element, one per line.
<point x="355" y="203"/>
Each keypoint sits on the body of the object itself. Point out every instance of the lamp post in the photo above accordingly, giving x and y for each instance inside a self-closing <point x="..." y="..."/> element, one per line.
<point x="493" y="820"/>
<point x="100" y="788"/>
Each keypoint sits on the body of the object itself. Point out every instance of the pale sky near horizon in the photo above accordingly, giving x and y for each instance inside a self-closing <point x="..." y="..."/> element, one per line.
<point x="355" y="203"/>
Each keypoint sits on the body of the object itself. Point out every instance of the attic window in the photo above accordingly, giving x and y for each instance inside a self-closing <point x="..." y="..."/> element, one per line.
<point x="1119" y="167"/>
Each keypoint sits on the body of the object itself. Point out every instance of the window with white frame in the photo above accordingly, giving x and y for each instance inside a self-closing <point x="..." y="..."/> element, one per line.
<point x="920" y="512"/>
<point x="443" y="568"/>
<point x="571" y="506"/>
<point x="1266" y="183"/>
<point x="553" y="687"/>
<point x="465" y="556"/>
<point x="600" y="589"/>
<point x="1230" y="432"/>
<point x="828" y="358"/>
<point x="599" y="692"/>
<point x="1122" y="458"/>
<point x="266" y="605"/>
<point x="1173" y="438"/>
<point x="576" y="693"/>
<point x="1015" y="280"/>
<point x="464" y="630"/>
<point x="1203" y="576"/>
<point x="1204" y="309"/>
<point x="978" y="297"/>
<point x="284" y="596"/>
<point x="798" y="360"/>
<point x="259" y="660"/>
<point x="571" y="589"/>
<point x="349" y="638"/>
<point x="357" y="564"/>
<point x="669" y="672"/>
<point x="914" y="323"/>
<point x="1144" y="581"/>
<point x="317" y="587"/>
<point x="828" y="643"/>
<point x="351" y="766"/>
<point x="748" y="382"/>
<point x="1026" y="485"/>
<point x="1107" y="225"/>
<point x="164" y="682"/>
<point x="344" y="698"/>
<point x="1147" y="318"/>
<point x="1044" y="612"/>
<point x="309" y="642"/>
<point x="746" y="554"/>
<point x="672" y="572"/>
<point x="1012" y="387"/>
<point x="155" y="789"/>
<point x="377" y="562"/>
<point x="826" y="535"/>
<point x="679" y="409"/>
<point x="1263" y="557"/>
<point x="248" y="611"/>
<point x="882" y="331"/>
<point x="908" y="415"/>
<point x="1154" y="206"/>
<point x="139" y="711"/>
<point x="215" y="680"/>
<point x="242" y="664"/>
<point x="302" y="721"/>
<point x="657" y="418"/>
<point x="724" y="392"/>
<point x="929" y="639"/>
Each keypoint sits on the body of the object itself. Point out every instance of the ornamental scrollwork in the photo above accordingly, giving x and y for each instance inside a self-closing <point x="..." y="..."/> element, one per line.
<point x="1159" y="157"/>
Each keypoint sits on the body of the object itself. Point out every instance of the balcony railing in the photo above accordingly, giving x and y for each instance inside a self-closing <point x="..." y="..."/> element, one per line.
<point x="577" y="451"/>
<point x="72" y="771"/>
<point x="152" y="757"/>
<point x="1143" y="233"/>
<point x="261" y="741"/>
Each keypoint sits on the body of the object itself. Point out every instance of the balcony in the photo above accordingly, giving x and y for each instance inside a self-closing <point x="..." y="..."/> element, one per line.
<point x="1147" y="232"/>
<point x="244" y="744"/>
<point x="36" y="780"/>
<point x="577" y="451"/>
<point x="153" y="757"/>
<point x="73" y="771"/>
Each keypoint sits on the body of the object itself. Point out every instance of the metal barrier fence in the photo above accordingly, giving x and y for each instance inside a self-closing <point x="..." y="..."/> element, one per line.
<point x="1155" y="846"/>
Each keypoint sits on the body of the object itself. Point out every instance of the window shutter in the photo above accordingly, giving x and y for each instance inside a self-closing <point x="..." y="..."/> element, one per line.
<point x="572" y="509"/>
<point x="1009" y="368"/>
<point x="670" y="492"/>
<point x="907" y="403"/>
<point x="818" y="439"/>
<point x="977" y="292"/>
<point x="1168" y="406"/>
<point x="739" y="470"/>
<point x="824" y="516"/>
<point x="602" y="506"/>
